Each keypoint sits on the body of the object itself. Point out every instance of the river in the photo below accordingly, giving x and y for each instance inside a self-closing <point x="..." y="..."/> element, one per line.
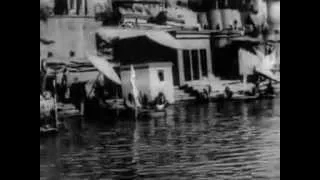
<point x="234" y="140"/>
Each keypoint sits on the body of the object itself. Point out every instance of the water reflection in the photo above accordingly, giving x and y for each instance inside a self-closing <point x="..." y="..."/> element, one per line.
<point x="209" y="141"/>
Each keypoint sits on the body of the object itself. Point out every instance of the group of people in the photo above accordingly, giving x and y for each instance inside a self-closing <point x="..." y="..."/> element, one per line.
<point x="47" y="113"/>
<point x="228" y="93"/>
<point x="54" y="81"/>
<point x="159" y="103"/>
<point x="204" y="96"/>
<point x="256" y="90"/>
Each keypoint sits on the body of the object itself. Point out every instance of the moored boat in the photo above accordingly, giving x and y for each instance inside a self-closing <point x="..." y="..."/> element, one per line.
<point x="47" y="131"/>
<point x="153" y="113"/>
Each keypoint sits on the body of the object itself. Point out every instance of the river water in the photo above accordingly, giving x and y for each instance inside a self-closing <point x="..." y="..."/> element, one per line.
<point x="234" y="140"/>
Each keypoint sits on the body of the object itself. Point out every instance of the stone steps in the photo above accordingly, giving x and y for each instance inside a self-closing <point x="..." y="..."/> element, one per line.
<point x="182" y="95"/>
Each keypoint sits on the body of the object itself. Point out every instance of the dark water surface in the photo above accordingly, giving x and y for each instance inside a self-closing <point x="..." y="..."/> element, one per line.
<point x="206" y="141"/>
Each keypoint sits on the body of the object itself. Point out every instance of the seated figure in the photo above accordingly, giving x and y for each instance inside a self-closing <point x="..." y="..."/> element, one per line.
<point x="160" y="102"/>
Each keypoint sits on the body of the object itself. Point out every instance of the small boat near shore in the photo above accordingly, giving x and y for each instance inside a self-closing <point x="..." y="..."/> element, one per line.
<point x="118" y="108"/>
<point x="48" y="131"/>
<point x="220" y="98"/>
<point x="153" y="113"/>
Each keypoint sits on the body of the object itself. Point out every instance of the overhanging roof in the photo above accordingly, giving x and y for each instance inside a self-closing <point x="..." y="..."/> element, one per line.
<point x="247" y="39"/>
<point x="158" y="36"/>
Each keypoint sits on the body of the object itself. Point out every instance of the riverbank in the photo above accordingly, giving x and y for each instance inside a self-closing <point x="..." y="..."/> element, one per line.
<point x="200" y="141"/>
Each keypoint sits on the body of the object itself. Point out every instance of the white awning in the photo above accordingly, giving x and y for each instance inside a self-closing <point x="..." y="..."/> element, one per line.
<point x="158" y="36"/>
<point x="268" y="74"/>
<point x="105" y="68"/>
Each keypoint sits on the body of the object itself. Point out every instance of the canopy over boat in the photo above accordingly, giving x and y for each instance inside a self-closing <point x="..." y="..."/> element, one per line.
<point x="105" y="68"/>
<point x="267" y="74"/>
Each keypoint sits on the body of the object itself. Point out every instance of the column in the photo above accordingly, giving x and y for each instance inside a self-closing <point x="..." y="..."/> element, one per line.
<point x="78" y="6"/>
<point x="180" y="67"/>
<point x="209" y="60"/>
<point x="191" y="66"/>
<point x="200" y="65"/>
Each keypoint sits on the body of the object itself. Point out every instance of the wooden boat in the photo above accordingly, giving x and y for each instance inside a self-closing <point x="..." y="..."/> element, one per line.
<point x="243" y="98"/>
<point x="236" y="98"/>
<point x="47" y="131"/>
<point x="268" y="96"/>
<point x="153" y="113"/>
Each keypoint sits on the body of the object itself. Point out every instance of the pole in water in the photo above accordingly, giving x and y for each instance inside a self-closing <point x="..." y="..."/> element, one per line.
<point x="55" y="104"/>
<point x="245" y="81"/>
<point x="117" y="97"/>
<point x="82" y="108"/>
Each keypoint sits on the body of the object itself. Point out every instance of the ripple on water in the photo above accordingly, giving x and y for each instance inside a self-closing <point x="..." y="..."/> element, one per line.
<point x="237" y="141"/>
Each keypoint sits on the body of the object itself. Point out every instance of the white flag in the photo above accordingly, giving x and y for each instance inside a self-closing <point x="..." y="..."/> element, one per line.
<point x="135" y="91"/>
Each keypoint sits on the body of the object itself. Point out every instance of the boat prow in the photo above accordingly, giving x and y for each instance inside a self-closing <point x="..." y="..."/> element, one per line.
<point x="160" y="107"/>
<point x="153" y="113"/>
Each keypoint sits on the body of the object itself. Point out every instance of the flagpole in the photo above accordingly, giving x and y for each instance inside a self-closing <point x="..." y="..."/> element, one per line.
<point x="134" y="91"/>
<point x="92" y="89"/>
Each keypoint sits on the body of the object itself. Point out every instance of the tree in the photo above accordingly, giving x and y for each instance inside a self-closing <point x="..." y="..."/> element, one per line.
<point x="44" y="13"/>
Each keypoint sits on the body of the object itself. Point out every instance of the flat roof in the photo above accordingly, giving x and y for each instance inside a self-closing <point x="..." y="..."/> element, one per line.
<point x="71" y="17"/>
<point x="147" y="65"/>
<point x="136" y="2"/>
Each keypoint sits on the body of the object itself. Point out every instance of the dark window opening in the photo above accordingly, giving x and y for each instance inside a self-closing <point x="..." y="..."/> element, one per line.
<point x="61" y="6"/>
<point x="187" y="66"/>
<point x="203" y="57"/>
<point x="223" y="4"/>
<point x="195" y="64"/>
<point x="161" y="75"/>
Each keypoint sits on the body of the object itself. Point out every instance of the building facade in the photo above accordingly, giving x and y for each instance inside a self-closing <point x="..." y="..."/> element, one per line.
<point x="191" y="61"/>
<point x="194" y="60"/>
<point x="151" y="79"/>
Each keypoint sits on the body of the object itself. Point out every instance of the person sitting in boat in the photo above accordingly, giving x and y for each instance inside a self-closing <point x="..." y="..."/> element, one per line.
<point x="228" y="93"/>
<point x="161" y="101"/>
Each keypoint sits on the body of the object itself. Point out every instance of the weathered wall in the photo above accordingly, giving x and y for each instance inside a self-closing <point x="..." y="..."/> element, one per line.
<point x="69" y="34"/>
<point x="190" y="44"/>
<point x="166" y="87"/>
